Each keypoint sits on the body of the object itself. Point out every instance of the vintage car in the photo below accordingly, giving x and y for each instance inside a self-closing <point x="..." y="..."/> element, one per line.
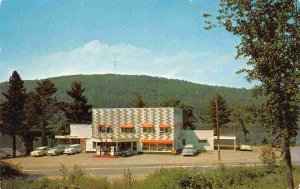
<point x="72" y="149"/>
<point x="244" y="147"/>
<point x="125" y="152"/>
<point x="56" y="150"/>
<point x="4" y="154"/>
<point x="189" y="150"/>
<point x="40" y="151"/>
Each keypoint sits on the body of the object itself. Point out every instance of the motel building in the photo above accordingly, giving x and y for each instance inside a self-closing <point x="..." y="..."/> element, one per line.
<point x="143" y="130"/>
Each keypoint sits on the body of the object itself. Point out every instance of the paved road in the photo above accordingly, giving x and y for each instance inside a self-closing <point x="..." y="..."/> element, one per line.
<point x="137" y="171"/>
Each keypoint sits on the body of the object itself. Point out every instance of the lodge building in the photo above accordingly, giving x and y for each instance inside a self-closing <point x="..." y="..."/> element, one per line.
<point x="146" y="130"/>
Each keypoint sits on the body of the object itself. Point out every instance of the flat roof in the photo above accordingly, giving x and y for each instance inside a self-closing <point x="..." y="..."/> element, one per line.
<point x="115" y="140"/>
<point x="136" y="108"/>
<point x="226" y="137"/>
<point x="68" y="137"/>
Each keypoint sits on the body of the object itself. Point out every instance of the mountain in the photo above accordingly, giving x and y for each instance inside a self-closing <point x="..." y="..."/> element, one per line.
<point x="109" y="90"/>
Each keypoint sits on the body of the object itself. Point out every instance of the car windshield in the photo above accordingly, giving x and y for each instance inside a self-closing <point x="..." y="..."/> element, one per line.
<point x="74" y="145"/>
<point x="188" y="148"/>
<point x="40" y="148"/>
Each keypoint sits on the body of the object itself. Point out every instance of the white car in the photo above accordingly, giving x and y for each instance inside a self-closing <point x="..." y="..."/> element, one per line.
<point x="40" y="151"/>
<point x="244" y="147"/>
<point x="189" y="150"/>
<point x="73" y="149"/>
<point x="56" y="150"/>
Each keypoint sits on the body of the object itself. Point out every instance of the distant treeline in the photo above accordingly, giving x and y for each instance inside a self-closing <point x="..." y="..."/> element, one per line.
<point x="109" y="90"/>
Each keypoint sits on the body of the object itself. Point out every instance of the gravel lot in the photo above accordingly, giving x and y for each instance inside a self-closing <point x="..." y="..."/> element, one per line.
<point x="139" y="164"/>
<point x="88" y="159"/>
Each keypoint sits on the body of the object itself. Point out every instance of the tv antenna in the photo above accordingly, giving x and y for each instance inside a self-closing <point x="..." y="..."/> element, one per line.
<point x="115" y="81"/>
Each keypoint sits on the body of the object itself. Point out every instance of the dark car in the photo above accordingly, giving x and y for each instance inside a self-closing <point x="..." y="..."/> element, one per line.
<point x="125" y="152"/>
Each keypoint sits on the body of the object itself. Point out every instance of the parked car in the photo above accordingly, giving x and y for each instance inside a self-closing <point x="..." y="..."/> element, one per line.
<point x="73" y="149"/>
<point x="125" y="152"/>
<point x="189" y="150"/>
<point x="244" y="147"/>
<point x="4" y="154"/>
<point x="40" y="151"/>
<point x="56" y="150"/>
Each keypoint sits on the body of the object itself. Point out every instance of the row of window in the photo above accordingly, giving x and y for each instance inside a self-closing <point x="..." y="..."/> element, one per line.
<point x="131" y="130"/>
<point x="157" y="147"/>
<point x="200" y="141"/>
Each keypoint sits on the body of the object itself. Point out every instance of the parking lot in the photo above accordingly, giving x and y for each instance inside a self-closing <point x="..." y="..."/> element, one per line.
<point x="88" y="160"/>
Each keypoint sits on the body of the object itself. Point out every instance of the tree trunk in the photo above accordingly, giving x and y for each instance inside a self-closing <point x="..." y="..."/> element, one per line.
<point x="14" y="147"/>
<point x="28" y="145"/>
<point x="288" y="162"/>
<point x="44" y="139"/>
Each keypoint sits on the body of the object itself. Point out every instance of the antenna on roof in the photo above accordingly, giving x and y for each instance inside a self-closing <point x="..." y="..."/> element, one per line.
<point x="115" y="81"/>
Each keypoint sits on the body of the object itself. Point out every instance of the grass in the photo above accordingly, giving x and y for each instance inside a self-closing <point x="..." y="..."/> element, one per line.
<point x="175" y="178"/>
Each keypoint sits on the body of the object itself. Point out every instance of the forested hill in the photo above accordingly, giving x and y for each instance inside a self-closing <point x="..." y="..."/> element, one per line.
<point x="111" y="90"/>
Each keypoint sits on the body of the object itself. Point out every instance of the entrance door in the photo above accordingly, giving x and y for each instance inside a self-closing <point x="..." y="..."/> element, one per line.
<point x="83" y="145"/>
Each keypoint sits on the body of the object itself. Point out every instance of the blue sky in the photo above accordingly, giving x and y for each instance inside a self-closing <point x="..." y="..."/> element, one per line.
<point x="46" y="38"/>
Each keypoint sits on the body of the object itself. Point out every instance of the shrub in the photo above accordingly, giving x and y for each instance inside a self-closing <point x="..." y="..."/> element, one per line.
<point x="264" y="140"/>
<point x="196" y="180"/>
<point x="76" y="175"/>
<point x="270" y="156"/>
<point x="10" y="171"/>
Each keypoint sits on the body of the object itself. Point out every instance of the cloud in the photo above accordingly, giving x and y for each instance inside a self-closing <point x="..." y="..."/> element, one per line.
<point x="95" y="57"/>
<point x="1" y="1"/>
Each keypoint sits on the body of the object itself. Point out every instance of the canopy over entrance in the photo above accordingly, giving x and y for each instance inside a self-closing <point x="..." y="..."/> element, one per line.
<point x="226" y="142"/>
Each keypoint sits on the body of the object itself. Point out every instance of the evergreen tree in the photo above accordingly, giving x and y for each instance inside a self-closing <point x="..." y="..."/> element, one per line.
<point x="137" y="100"/>
<point x="189" y="119"/>
<point x="41" y="106"/>
<point x="57" y="125"/>
<point x="12" y="109"/>
<point x="223" y="109"/>
<point x="78" y="111"/>
<point x="270" y="43"/>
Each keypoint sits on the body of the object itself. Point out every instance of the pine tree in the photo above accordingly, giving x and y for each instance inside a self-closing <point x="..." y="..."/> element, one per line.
<point x="137" y="100"/>
<point x="12" y="109"/>
<point x="224" y="112"/>
<point x="41" y="106"/>
<point x="78" y="111"/>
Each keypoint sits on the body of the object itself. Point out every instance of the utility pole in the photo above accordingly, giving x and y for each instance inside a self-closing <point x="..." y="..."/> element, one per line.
<point x="218" y="128"/>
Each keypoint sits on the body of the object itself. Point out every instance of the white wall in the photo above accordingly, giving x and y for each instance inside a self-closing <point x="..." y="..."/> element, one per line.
<point x="89" y="145"/>
<point x="193" y="136"/>
<point x="81" y="130"/>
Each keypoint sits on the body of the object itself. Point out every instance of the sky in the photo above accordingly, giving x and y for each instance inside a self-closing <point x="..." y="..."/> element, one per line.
<point x="47" y="38"/>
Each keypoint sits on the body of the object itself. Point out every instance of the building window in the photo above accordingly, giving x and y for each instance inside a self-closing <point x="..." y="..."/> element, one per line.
<point x="157" y="147"/>
<point x="164" y="130"/>
<point x="109" y="130"/>
<point x="202" y="140"/>
<point x="148" y="130"/>
<point x="101" y="129"/>
<point x="146" y="147"/>
<point x="153" y="147"/>
<point x="126" y="130"/>
<point x="183" y="141"/>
